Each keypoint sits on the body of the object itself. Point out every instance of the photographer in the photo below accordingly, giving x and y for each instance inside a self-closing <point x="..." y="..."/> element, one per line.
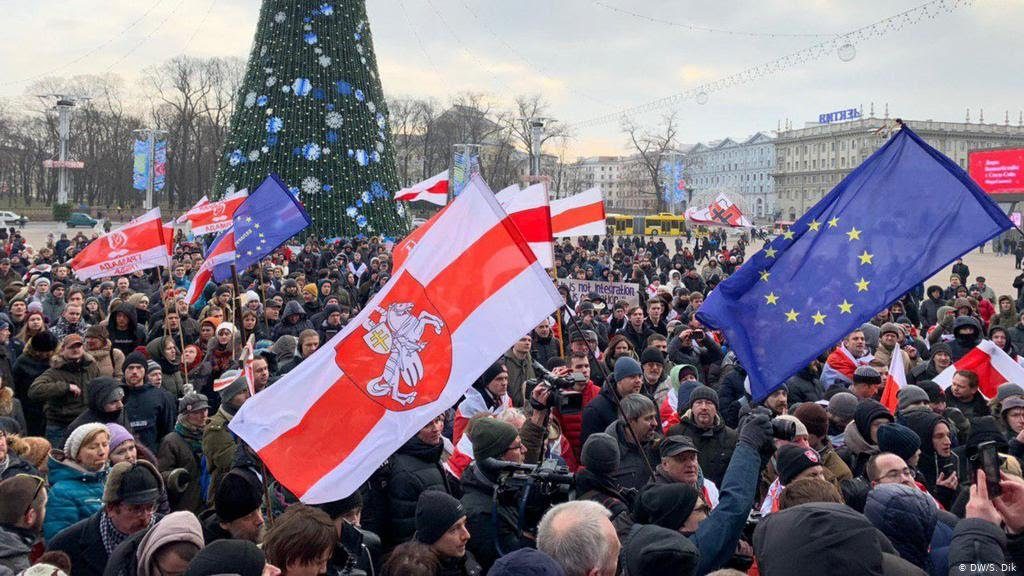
<point x="492" y="523"/>
<point x="566" y="408"/>
<point x="692" y="345"/>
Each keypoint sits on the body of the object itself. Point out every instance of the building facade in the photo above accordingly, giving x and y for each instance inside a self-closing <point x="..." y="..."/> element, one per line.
<point x="742" y="169"/>
<point x="622" y="179"/>
<point x="810" y="161"/>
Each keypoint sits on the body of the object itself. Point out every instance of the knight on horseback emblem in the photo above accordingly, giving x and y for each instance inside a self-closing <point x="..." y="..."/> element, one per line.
<point x="398" y="333"/>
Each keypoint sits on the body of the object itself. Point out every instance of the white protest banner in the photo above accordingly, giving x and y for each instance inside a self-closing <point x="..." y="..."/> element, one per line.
<point x="610" y="291"/>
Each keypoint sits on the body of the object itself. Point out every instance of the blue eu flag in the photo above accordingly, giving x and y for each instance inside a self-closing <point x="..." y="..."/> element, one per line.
<point x="899" y="218"/>
<point x="268" y="217"/>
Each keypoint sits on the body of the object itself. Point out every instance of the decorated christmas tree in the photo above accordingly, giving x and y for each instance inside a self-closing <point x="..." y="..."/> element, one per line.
<point x="311" y="110"/>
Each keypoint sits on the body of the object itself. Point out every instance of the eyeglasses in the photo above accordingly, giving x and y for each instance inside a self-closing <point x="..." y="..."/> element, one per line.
<point x="516" y="446"/>
<point x="40" y="482"/>
<point x="896" y="475"/>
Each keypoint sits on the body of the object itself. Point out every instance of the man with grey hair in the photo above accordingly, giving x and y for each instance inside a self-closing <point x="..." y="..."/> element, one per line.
<point x="636" y="436"/>
<point x="579" y="536"/>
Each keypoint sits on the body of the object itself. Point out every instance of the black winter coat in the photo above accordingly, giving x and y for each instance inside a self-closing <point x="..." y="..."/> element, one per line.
<point x="151" y="414"/>
<point x="714" y="446"/>
<point x="26" y="369"/>
<point x="804" y="387"/>
<point x="600" y="413"/>
<point x="130" y="338"/>
<point x="415" y="468"/>
<point x="83" y="544"/>
<point x="492" y="537"/>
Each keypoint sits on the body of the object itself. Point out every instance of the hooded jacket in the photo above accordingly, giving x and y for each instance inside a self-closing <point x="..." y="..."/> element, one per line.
<point x="135" y="555"/>
<point x="131" y="337"/>
<point x="151" y="413"/>
<point x="964" y="343"/>
<point x="15" y="545"/>
<point x="53" y="387"/>
<point x="930" y="464"/>
<point x="415" y="468"/>
<point x="285" y="327"/>
<point x="99" y="389"/>
<point x="172" y="379"/>
<point x="930" y="306"/>
<point x="493" y="536"/>
<point x="74" y="494"/>
<point x="907" y="517"/>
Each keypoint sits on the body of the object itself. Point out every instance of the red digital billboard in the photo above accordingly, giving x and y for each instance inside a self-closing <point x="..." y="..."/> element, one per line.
<point x="998" y="171"/>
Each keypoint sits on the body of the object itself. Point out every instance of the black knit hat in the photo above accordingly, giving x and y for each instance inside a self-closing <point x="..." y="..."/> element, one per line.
<point x="135" y="358"/>
<point x="652" y="355"/>
<point x="600" y="453"/>
<point x="239" y="557"/>
<point x="666" y="505"/>
<point x="866" y="375"/>
<point x="867" y="412"/>
<point x="899" y="440"/>
<point x="650" y="549"/>
<point x="938" y="348"/>
<point x="934" y="391"/>
<point x="43" y="342"/>
<point x="239" y="494"/>
<point x="703" y="393"/>
<point x="436" y="512"/>
<point x="791" y="460"/>
<point x="338" y="508"/>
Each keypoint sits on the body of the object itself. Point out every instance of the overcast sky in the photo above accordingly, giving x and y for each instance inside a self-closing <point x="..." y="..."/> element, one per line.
<point x="585" y="57"/>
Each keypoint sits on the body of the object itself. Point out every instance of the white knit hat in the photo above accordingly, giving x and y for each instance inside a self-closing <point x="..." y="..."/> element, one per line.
<point x="78" y="435"/>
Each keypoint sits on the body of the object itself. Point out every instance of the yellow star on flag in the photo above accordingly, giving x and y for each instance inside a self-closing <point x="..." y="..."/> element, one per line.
<point x="770" y="252"/>
<point x="771" y="298"/>
<point x="791" y="316"/>
<point x="866" y="257"/>
<point x="788" y="234"/>
<point x="854" y="234"/>
<point x="819" y="318"/>
<point x="845" y="307"/>
<point x="814" y="225"/>
<point x="862" y="286"/>
<point x="833" y="222"/>
<point x="765" y="275"/>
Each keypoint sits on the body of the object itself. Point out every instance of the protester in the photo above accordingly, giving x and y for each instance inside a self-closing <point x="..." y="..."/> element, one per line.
<point x="22" y="512"/>
<point x="301" y="541"/>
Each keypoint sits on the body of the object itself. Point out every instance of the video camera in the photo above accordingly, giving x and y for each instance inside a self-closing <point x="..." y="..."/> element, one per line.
<point x="563" y="395"/>
<point x="532" y="488"/>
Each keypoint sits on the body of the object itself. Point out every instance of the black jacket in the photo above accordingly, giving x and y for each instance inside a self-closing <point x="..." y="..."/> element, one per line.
<point x="960" y="346"/>
<point x="83" y="544"/>
<point x="976" y="541"/>
<point x="128" y="339"/>
<point x="492" y="537"/>
<point x="714" y="445"/>
<point x="99" y="389"/>
<point x="26" y="369"/>
<point x="415" y="468"/>
<point x="635" y="467"/>
<point x="637" y="339"/>
<point x="804" y="387"/>
<point x="151" y="414"/>
<point x="602" y="411"/>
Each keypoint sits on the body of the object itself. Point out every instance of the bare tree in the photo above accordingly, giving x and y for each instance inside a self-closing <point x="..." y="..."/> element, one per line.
<point x="651" y="146"/>
<point x="533" y="106"/>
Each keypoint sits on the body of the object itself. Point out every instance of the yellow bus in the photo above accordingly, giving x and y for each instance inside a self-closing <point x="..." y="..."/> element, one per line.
<point x="665" y="224"/>
<point x="619" y="225"/>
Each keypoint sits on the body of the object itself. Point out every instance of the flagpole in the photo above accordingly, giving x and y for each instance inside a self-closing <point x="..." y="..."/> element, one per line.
<point x="237" y="302"/>
<point x="263" y="292"/>
<point x="181" y="336"/>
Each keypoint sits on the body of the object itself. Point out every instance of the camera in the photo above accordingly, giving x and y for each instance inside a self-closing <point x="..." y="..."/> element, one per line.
<point x="563" y="395"/>
<point x="783" y="429"/>
<point x="697" y="335"/>
<point x="533" y="489"/>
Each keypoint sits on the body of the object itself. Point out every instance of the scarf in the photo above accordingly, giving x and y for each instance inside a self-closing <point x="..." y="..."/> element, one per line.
<point x="5" y="463"/>
<point x="193" y="437"/>
<point x="109" y="533"/>
<point x="222" y="358"/>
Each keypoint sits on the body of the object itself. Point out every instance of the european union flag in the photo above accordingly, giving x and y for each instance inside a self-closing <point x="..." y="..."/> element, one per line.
<point x="268" y="217"/>
<point x="899" y="218"/>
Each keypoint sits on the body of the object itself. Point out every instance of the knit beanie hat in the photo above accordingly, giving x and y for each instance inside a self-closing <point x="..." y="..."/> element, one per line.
<point x="650" y="549"/>
<point x="666" y="505"/>
<point x="310" y="288"/>
<point x="899" y="440"/>
<point x="226" y="326"/>
<point x="436" y="512"/>
<point x="81" y="435"/>
<point x="941" y="347"/>
<point x="238" y="494"/>
<point x="230" y="384"/>
<point x="43" y="341"/>
<point x="814" y="417"/>
<point x="626" y="367"/>
<point x="1007" y="390"/>
<point x="135" y="358"/>
<point x="933" y="390"/>
<point x="867" y="412"/>
<point x="152" y="366"/>
<point x="791" y="460"/>
<point x="652" y="355"/>
<point x="866" y="375"/>
<point x="910" y="395"/>
<point x="801" y="430"/>
<point x="491" y="438"/>
<point x="243" y="557"/>
<point x="490" y="373"/>
<point x="600" y="454"/>
<point x="523" y="562"/>
<point x="703" y="393"/>
<point x="118" y="435"/>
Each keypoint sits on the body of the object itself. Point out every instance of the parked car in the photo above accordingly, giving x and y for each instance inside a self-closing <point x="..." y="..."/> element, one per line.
<point x="80" y="219"/>
<point x="11" y="217"/>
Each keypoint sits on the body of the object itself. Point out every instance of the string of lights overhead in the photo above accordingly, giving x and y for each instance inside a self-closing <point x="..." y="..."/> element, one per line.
<point x="708" y="29"/>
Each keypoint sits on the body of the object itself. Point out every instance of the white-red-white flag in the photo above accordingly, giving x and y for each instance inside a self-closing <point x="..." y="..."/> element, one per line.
<point x="433" y="190"/>
<point x="405" y="246"/>
<point x="579" y="215"/>
<point x="464" y="295"/>
<point x="213" y="217"/>
<point x="138" y="245"/>
<point x="184" y="217"/>
<point x="221" y="252"/>
<point x="990" y="363"/>
<point x="528" y="208"/>
<point x="895" y="381"/>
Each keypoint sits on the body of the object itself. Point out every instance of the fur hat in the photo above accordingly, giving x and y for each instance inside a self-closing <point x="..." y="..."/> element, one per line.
<point x="136" y="482"/>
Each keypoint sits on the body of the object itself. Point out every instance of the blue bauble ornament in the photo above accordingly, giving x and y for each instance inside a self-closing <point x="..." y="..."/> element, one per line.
<point x="351" y="212"/>
<point x="327" y="9"/>
<point x="377" y="189"/>
<point x="309" y="38"/>
<point x="360" y="96"/>
<point x="361" y="221"/>
<point x="366" y="197"/>
<point x="274" y="124"/>
<point x="343" y="88"/>
<point x="332" y="136"/>
<point x="302" y="86"/>
<point x="261" y="101"/>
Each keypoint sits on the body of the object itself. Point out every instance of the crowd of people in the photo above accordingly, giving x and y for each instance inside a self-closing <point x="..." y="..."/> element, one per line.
<point x="616" y="438"/>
